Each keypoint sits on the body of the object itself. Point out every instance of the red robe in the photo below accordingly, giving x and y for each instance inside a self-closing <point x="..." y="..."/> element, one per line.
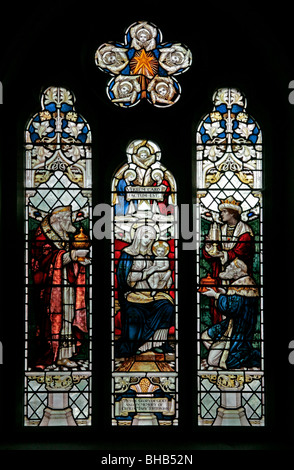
<point x="164" y="206"/>
<point x="47" y="253"/>
<point x="243" y="249"/>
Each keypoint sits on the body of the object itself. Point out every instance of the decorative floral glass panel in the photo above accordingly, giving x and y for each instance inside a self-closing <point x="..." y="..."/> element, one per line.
<point x="143" y="67"/>
<point x="229" y="265"/>
<point x="144" y="283"/>
<point x="58" y="277"/>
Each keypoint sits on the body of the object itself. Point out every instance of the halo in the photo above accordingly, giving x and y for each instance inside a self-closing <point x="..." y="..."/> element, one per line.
<point x="155" y="171"/>
<point x="161" y="243"/>
<point x="148" y="223"/>
<point x="135" y="145"/>
<point x="126" y="83"/>
<point x="131" y="172"/>
<point x="143" y="30"/>
<point x="144" y="148"/>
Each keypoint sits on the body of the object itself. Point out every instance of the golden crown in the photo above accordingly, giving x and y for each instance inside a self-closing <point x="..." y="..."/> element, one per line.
<point x="61" y="209"/>
<point x="230" y="203"/>
<point x="230" y="200"/>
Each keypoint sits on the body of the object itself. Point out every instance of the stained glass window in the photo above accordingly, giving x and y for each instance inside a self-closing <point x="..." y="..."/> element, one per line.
<point x="144" y="290"/>
<point x="58" y="217"/>
<point x="143" y="67"/>
<point x="230" y="265"/>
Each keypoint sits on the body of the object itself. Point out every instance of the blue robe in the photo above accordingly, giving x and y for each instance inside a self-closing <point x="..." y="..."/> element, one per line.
<point x="243" y="310"/>
<point x="139" y="320"/>
<point x="122" y="205"/>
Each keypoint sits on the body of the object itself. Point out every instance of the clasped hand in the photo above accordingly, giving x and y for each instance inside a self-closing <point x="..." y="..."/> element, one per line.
<point x="212" y="293"/>
<point x="83" y="254"/>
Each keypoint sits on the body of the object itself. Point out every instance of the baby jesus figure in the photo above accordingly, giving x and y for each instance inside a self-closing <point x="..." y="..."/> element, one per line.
<point x="159" y="274"/>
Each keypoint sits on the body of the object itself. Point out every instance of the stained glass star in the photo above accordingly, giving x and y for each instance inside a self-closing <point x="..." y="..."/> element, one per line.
<point x="145" y="63"/>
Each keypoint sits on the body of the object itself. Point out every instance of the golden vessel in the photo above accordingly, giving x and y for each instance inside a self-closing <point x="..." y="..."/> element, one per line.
<point x="207" y="281"/>
<point x="81" y="242"/>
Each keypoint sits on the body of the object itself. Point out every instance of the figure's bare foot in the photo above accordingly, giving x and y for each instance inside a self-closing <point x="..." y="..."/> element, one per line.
<point x="65" y="362"/>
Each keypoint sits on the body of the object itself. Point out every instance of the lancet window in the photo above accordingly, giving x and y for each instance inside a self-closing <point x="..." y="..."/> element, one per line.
<point x="230" y="351"/>
<point x="58" y="276"/>
<point x="144" y="290"/>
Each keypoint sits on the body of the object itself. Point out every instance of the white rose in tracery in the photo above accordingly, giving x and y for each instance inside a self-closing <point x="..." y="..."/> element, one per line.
<point x="143" y="35"/>
<point x="112" y="58"/>
<point x="162" y="90"/>
<point x="174" y="58"/>
<point x="126" y="89"/>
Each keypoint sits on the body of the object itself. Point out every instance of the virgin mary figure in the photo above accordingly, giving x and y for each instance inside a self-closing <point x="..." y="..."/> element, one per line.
<point x="145" y="319"/>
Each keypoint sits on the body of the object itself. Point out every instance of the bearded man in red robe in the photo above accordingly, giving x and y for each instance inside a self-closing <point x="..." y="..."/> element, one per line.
<point x="59" y="280"/>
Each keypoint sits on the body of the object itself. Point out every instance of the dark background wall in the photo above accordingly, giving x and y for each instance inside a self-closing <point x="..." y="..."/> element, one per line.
<point x="240" y="47"/>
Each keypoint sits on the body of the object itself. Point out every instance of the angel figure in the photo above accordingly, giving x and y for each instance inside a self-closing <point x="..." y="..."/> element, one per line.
<point x="112" y="58"/>
<point x="175" y="58"/>
<point x="143" y="36"/>
<point x="162" y="90"/>
<point x="126" y="89"/>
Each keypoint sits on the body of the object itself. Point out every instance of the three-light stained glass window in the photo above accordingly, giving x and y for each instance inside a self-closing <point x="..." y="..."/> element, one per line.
<point x="144" y="290"/>
<point x="58" y="276"/>
<point x="144" y="272"/>
<point x="229" y="265"/>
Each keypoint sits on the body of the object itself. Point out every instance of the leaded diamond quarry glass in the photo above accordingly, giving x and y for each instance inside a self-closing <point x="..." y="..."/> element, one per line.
<point x="229" y="265"/>
<point x="144" y="290"/>
<point x="58" y="276"/>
